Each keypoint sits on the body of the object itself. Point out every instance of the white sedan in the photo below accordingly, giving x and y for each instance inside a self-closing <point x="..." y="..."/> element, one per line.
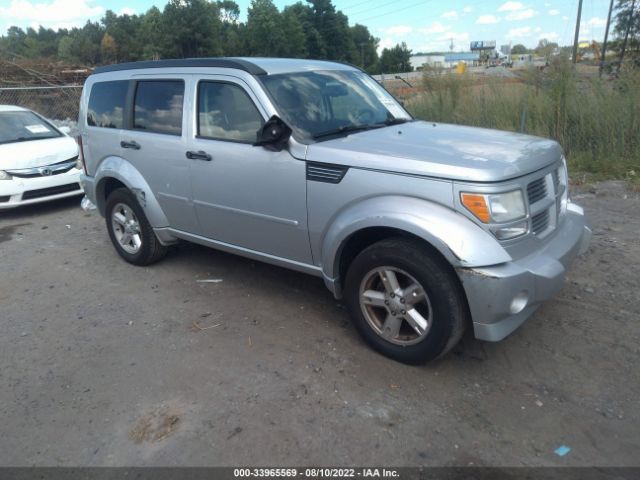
<point x="38" y="162"/>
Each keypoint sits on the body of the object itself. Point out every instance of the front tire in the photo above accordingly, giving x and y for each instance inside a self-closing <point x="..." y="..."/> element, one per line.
<point x="130" y="232"/>
<point x="405" y="301"/>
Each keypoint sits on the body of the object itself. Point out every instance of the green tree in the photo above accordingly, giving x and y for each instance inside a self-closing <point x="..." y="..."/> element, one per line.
<point x="367" y="48"/>
<point x="149" y="34"/>
<point x="265" y="35"/>
<point x="65" y="49"/>
<point x="314" y="43"/>
<point x="229" y="11"/>
<point x="124" y="31"/>
<point x="15" y="40"/>
<point x="292" y="27"/>
<point x="519" y="49"/>
<point x="232" y="30"/>
<point x="86" y="43"/>
<point x="396" y="59"/>
<point x="627" y="25"/>
<point x="627" y="15"/>
<point x="190" y="28"/>
<point x="334" y="29"/>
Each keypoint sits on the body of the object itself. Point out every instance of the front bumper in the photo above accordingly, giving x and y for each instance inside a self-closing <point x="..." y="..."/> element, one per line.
<point x="502" y="297"/>
<point x="26" y="191"/>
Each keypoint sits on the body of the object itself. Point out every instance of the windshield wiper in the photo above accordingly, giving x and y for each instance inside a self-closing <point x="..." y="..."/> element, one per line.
<point x="397" y="121"/>
<point x="361" y="128"/>
<point x="347" y="129"/>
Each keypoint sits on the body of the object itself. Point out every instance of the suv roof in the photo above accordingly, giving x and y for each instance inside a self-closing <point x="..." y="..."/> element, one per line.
<point x="252" y="65"/>
<point x="12" y="108"/>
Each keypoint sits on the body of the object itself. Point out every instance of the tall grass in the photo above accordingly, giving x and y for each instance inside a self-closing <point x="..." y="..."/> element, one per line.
<point x="597" y="122"/>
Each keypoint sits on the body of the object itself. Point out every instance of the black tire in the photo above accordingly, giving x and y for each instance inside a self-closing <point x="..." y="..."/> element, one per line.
<point x="439" y="281"/>
<point x="150" y="250"/>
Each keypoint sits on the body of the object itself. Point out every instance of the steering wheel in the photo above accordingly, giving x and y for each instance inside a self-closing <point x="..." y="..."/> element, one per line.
<point x="365" y="116"/>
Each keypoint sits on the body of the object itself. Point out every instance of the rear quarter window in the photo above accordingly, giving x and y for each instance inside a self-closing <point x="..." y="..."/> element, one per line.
<point x="107" y="104"/>
<point x="158" y="106"/>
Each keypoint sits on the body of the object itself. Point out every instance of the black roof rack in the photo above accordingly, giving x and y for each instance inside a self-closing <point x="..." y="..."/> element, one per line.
<point x="221" y="62"/>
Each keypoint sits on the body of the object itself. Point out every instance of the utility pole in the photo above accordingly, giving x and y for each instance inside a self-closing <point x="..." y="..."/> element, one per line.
<point x="606" y="37"/>
<point x="575" y="38"/>
<point x="362" y="44"/>
<point x="626" y="35"/>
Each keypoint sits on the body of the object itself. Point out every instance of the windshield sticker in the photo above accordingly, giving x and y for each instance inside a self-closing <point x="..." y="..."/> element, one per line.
<point x="37" y="128"/>
<point x="393" y="108"/>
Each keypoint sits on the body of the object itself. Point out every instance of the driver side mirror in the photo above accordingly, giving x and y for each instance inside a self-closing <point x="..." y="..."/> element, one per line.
<point x="273" y="135"/>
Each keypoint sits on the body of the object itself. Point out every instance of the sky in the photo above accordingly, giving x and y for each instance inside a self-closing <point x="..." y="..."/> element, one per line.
<point x="427" y="25"/>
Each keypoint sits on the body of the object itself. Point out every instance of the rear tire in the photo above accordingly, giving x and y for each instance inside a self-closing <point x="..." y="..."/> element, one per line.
<point x="405" y="301"/>
<point x="130" y="232"/>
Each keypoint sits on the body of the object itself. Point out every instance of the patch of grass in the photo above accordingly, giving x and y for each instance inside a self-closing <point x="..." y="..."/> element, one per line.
<point x="597" y="121"/>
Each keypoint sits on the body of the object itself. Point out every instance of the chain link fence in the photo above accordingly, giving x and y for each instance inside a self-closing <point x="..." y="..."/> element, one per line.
<point x="58" y="103"/>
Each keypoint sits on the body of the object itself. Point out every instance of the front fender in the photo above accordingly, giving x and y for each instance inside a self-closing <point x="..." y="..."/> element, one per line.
<point x="458" y="239"/>
<point x="125" y="172"/>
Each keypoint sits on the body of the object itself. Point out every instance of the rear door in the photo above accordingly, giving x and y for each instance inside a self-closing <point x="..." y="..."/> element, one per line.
<point x="105" y="119"/>
<point x="155" y="142"/>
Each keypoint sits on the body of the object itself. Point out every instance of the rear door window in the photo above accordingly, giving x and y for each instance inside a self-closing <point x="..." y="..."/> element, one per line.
<point x="158" y="106"/>
<point x="107" y="104"/>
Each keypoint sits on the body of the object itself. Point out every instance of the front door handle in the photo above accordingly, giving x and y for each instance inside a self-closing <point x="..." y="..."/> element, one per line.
<point x="199" y="155"/>
<point x="133" y="145"/>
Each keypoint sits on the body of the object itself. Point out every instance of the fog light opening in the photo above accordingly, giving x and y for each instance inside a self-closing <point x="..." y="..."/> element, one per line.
<point x="519" y="302"/>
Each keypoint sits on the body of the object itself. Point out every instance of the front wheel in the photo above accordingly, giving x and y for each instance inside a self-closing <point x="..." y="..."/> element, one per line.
<point x="130" y="231"/>
<point x="405" y="301"/>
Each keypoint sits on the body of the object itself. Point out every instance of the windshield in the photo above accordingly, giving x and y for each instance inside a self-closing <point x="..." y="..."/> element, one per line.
<point x="22" y="126"/>
<point x="322" y="104"/>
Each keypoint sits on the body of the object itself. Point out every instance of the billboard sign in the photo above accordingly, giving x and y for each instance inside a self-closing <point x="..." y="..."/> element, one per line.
<point x="483" y="45"/>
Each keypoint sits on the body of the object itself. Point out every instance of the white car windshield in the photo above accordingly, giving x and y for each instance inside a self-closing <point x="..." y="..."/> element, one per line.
<point x="324" y="104"/>
<point x="23" y="126"/>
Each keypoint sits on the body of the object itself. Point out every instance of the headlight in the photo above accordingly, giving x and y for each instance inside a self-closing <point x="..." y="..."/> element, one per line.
<point x="505" y="207"/>
<point x="499" y="208"/>
<point x="495" y="207"/>
<point x="4" y="175"/>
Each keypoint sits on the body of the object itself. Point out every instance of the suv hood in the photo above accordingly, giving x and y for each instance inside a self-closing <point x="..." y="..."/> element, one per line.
<point x="440" y="150"/>
<point x="37" y="153"/>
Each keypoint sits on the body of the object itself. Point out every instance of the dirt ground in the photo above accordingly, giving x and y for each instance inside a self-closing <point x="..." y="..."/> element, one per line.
<point x="103" y="363"/>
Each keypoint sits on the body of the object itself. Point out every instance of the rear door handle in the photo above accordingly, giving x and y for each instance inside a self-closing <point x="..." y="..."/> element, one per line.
<point x="133" y="145"/>
<point x="199" y="155"/>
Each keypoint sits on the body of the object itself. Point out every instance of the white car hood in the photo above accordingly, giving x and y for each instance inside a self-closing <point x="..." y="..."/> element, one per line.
<point x="37" y="153"/>
<point x="437" y="149"/>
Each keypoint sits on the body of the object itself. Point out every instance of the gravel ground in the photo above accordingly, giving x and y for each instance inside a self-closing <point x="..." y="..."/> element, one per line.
<point x="103" y="363"/>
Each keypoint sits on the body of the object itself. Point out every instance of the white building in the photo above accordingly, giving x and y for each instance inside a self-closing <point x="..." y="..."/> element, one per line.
<point x="419" y="61"/>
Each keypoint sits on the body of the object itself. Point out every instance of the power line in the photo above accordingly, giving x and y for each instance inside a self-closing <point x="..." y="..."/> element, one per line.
<point x="369" y="8"/>
<point x="350" y="7"/>
<point x="394" y="11"/>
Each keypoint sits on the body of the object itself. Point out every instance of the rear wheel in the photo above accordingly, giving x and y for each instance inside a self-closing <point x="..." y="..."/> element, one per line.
<point x="130" y="231"/>
<point x="405" y="301"/>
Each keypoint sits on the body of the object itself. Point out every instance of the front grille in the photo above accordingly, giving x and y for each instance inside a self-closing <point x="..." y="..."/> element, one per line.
<point x="45" y="192"/>
<point x="540" y="222"/>
<point x="4" y="199"/>
<point x="537" y="190"/>
<point x="53" y="169"/>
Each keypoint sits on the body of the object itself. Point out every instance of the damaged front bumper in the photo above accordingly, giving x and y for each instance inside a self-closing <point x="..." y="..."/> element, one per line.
<point x="502" y="297"/>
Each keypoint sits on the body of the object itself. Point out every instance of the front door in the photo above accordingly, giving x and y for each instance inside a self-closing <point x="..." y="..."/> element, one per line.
<point x="244" y="195"/>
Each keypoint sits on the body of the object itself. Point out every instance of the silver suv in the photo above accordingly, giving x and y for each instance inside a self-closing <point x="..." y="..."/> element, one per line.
<point x="422" y="228"/>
